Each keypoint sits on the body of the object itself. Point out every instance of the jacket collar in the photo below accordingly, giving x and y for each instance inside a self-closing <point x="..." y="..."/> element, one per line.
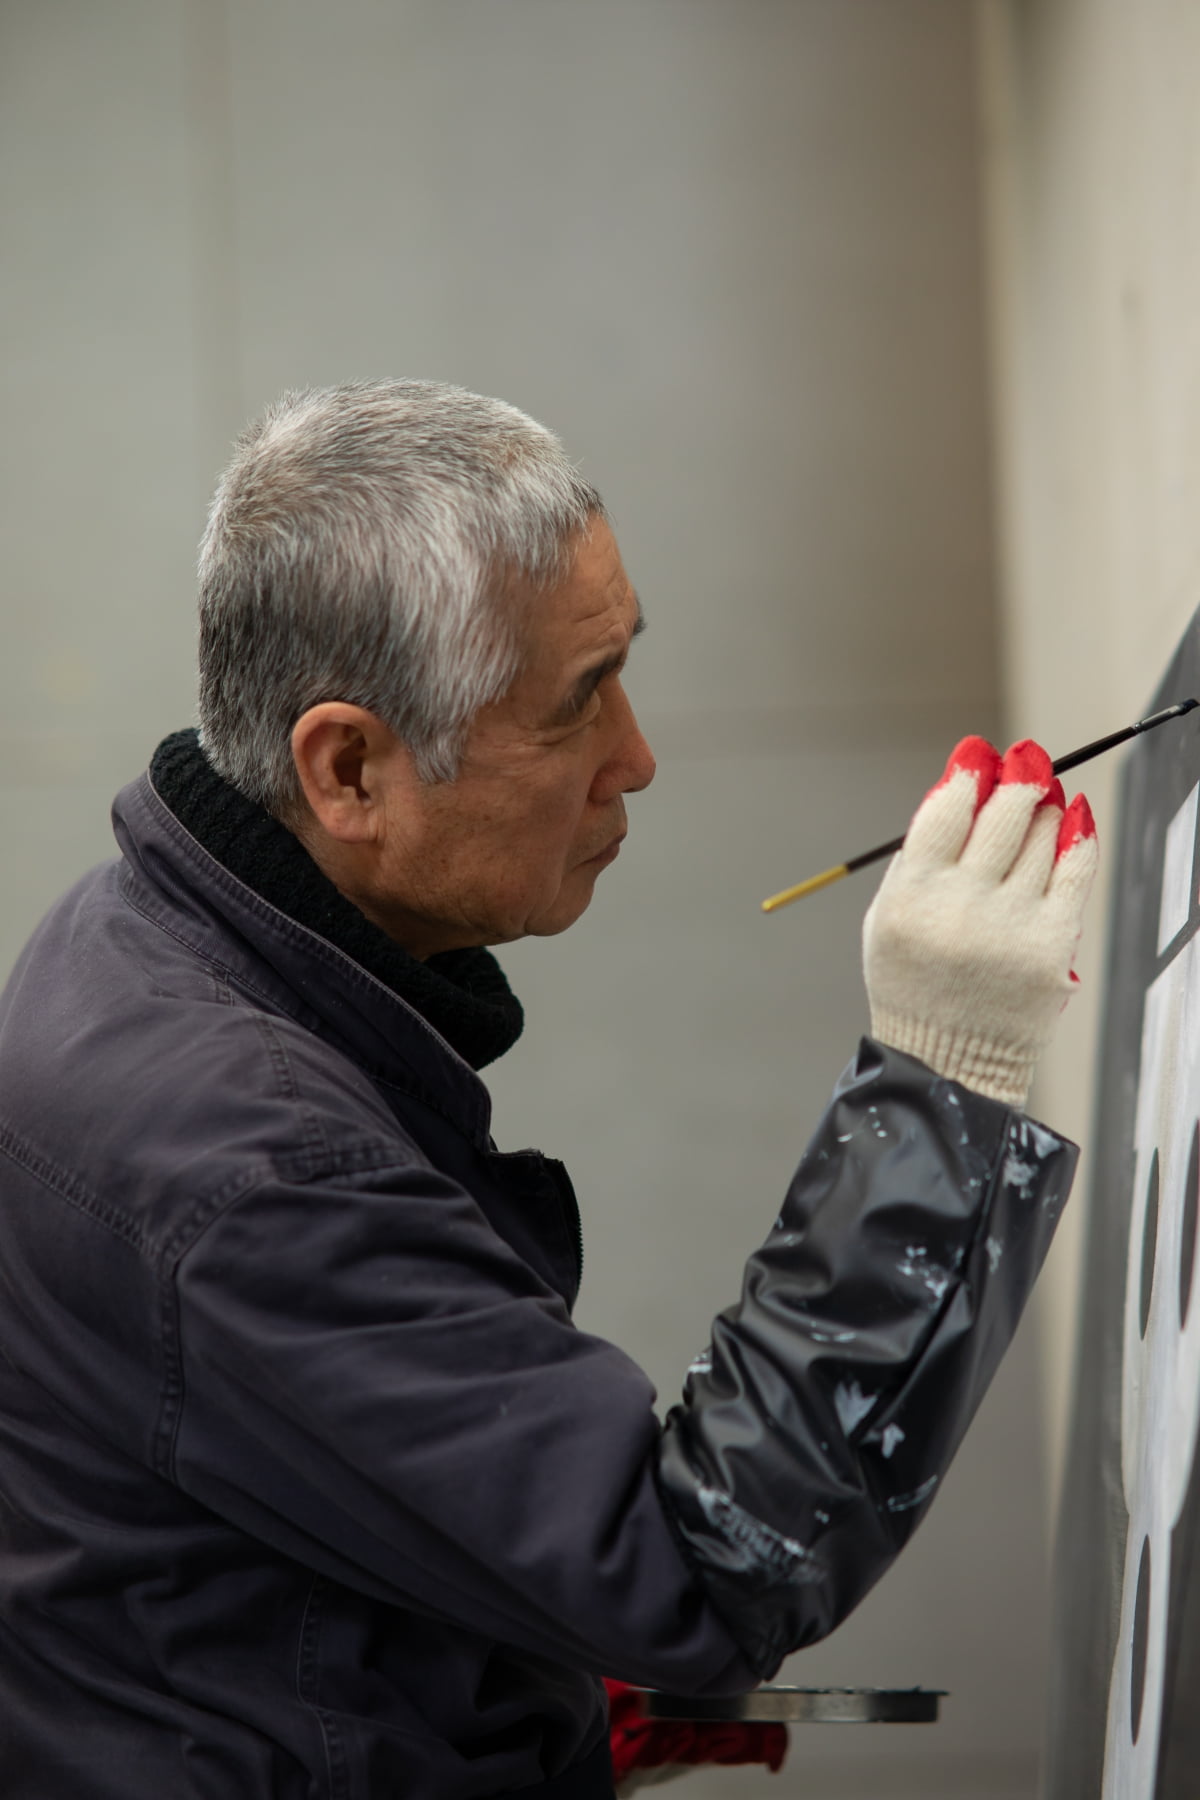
<point x="462" y="993"/>
<point x="303" y="971"/>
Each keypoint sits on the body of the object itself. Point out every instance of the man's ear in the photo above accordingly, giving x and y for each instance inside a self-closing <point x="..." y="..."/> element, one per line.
<point x="344" y="760"/>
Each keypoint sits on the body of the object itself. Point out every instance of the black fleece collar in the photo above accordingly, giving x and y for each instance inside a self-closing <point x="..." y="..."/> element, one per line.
<point x="462" y="993"/>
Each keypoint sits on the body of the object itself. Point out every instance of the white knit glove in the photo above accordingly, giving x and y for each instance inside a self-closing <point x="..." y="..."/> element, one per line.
<point x="968" y="945"/>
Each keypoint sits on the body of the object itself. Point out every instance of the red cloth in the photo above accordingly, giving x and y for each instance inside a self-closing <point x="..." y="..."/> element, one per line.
<point x="641" y="1743"/>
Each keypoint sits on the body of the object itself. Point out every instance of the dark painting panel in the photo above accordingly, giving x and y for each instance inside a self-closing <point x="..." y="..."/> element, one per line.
<point x="1124" y="1702"/>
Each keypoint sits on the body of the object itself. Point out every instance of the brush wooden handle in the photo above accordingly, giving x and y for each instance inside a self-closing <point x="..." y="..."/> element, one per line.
<point x="1070" y="761"/>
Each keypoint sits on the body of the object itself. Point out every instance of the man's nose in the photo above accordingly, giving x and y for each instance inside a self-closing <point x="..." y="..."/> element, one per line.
<point x="642" y="763"/>
<point x="630" y="766"/>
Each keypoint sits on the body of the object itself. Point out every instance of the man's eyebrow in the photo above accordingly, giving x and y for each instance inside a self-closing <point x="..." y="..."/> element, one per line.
<point x="587" y="683"/>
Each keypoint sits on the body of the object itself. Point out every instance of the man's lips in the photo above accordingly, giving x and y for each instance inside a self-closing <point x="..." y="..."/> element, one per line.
<point x="609" y="853"/>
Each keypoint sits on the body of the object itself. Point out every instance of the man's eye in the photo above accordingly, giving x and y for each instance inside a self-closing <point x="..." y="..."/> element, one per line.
<point x="583" y="713"/>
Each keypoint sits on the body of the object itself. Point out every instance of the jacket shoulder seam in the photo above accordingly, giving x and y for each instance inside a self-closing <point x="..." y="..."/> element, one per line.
<point x="314" y="1141"/>
<point x="298" y="1166"/>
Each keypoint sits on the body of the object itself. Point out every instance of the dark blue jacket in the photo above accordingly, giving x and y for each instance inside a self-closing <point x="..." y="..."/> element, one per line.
<point x="308" y="1484"/>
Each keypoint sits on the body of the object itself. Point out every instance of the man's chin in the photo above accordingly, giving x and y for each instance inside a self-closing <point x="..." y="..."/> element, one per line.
<point x="569" y="904"/>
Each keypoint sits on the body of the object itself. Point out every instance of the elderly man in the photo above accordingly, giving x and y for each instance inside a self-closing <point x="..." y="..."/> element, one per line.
<point x="309" y="1485"/>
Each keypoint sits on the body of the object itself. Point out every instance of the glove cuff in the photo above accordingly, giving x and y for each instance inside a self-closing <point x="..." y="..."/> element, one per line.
<point x="986" y="1067"/>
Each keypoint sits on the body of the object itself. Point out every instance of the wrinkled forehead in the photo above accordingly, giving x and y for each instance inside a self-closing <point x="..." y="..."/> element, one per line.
<point x="593" y="610"/>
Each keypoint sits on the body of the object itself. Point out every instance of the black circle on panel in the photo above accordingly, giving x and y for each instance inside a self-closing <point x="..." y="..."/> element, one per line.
<point x="1137" y="1652"/>
<point x="1149" y="1239"/>
<point x="1187" y="1242"/>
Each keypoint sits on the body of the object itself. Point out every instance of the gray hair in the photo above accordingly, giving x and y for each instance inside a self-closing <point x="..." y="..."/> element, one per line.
<point x="370" y="543"/>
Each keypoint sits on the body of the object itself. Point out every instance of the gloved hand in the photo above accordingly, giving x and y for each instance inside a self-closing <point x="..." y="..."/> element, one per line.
<point x="968" y="945"/>
<point x="648" y="1751"/>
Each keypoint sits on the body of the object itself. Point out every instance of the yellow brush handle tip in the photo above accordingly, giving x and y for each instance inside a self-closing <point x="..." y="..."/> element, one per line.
<point x="805" y="887"/>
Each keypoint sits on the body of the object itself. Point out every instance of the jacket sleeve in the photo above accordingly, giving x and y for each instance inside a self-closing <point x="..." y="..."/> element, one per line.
<point x="814" y="1432"/>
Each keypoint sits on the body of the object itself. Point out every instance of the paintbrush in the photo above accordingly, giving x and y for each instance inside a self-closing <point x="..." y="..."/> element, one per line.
<point x="1064" y="763"/>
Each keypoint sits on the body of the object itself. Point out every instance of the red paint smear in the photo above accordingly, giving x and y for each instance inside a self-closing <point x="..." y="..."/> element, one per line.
<point x="641" y="1743"/>
<point x="1077" y="824"/>
<point x="1028" y="764"/>
<point x="978" y="758"/>
<point x="1055" y="797"/>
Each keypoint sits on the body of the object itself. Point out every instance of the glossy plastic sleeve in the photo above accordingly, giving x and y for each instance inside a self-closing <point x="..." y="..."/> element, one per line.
<point x="814" y="1433"/>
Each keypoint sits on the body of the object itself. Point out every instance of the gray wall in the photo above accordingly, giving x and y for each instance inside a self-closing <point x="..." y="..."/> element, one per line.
<point x="728" y="248"/>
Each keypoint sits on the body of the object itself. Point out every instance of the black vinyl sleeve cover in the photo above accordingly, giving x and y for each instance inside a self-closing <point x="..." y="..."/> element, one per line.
<point x="815" y="1430"/>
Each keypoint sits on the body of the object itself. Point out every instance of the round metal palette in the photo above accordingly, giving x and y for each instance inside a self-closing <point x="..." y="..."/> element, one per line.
<point x="805" y="1706"/>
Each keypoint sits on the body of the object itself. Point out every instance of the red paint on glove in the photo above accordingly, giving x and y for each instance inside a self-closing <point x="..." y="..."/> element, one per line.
<point x="1077" y="824"/>
<point x="969" y="943"/>
<point x="1055" y="797"/>
<point x="978" y="758"/>
<point x="641" y="1743"/>
<point x="1027" y="763"/>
